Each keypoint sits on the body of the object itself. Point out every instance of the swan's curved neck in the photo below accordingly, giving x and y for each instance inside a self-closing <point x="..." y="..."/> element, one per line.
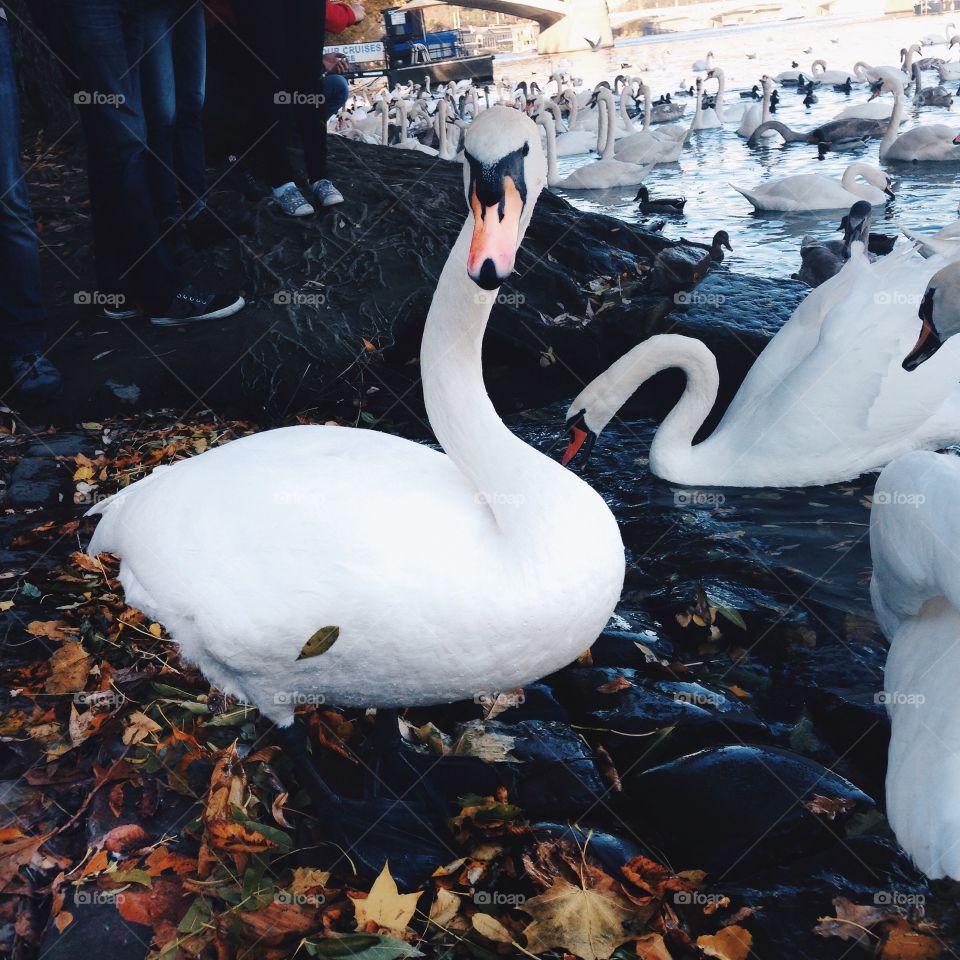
<point x="896" y="118"/>
<point x="502" y="468"/>
<point x="721" y="90"/>
<point x="628" y="124"/>
<point x="646" y="108"/>
<point x="546" y="121"/>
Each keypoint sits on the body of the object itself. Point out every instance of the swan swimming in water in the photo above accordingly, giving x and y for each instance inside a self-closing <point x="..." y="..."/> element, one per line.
<point x="438" y="574"/>
<point x="935" y="141"/>
<point x="826" y="400"/>
<point x="813" y="191"/>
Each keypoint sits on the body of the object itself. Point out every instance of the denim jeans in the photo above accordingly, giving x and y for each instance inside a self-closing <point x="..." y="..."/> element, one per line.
<point x="173" y="77"/>
<point x="106" y="44"/>
<point x="336" y="90"/>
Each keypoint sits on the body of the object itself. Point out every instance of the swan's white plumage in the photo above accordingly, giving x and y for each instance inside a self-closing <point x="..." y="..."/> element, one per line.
<point x="825" y="401"/>
<point x="914" y="542"/>
<point x="447" y="575"/>
<point x="813" y="191"/>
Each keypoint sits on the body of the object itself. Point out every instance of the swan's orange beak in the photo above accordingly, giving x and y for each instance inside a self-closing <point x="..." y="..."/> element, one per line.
<point x="582" y="439"/>
<point x="496" y="236"/>
<point x="578" y="438"/>
<point x="929" y="342"/>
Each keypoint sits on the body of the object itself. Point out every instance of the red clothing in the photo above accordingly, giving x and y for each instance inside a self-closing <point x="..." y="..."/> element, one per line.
<point x="339" y="15"/>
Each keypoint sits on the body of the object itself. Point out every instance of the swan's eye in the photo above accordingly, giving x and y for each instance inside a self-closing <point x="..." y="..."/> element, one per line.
<point x="526" y="150"/>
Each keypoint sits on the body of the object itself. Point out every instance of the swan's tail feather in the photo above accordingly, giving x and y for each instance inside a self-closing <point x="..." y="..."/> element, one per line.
<point x="753" y="198"/>
<point x="109" y="509"/>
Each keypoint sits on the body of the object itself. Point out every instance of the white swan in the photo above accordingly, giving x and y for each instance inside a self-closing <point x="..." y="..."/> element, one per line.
<point x="702" y="66"/>
<point x="826" y="400"/>
<point x="821" y="74"/>
<point x="578" y="139"/>
<point x="757" y="113"/>
<point x="872" y="109"/>
<point x="935" y="141"/>
<point x="914" y="542"/>
<point x="646" y="146"/>
<point x="937" y="39"/>
<point x="949" y="70"/>
<point x="445" y="573"/>
<point x="704" y="118"/>
<point x="406" y="141"/>
<point x="734" y="115"/>
<point x="813" y="191"/>
<point x="945" y="242"/>
<point x="607" y="171"/>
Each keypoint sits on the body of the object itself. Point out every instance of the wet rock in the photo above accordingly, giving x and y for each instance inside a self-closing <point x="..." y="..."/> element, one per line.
<point x="729" y="809"/>
<point x="97" y="929"/>
<point x="623" y="648"/>
<point x="37" y="482"/>
<point x="612" y="850"/>
<point x="59" y="445"/>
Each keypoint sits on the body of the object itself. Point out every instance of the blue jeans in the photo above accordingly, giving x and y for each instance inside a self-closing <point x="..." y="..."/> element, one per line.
<point x="106" y="44"/>
<point x="336" y="89"/>
<point x="22" y="318"/>
<point x="173" y="78"/>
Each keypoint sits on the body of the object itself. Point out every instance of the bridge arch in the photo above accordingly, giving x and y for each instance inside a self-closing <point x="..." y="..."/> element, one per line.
<point x="565" y="25"/>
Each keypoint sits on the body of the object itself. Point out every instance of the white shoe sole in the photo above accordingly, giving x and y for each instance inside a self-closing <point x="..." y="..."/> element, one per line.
<point x="229" y="311"/>
<point x="333" y="201"/>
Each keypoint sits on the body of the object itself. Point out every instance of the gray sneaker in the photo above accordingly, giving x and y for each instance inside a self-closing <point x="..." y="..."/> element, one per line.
<point x="291" y="201"/>
<point x="325" y="193"/>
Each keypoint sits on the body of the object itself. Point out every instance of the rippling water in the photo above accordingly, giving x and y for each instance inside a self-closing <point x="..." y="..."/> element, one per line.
<point x="765" y="243"/>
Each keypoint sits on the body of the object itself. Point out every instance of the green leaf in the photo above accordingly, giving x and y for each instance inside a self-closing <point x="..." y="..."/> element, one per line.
<point x="320" y="642"/>
<point x="194" y="919"/>
<point x="271" y="833"/>
<point x="132" y="876"/>
<point x="165" y="690"/>
<point x="727" y="613"/>
<point x="29" y="590"/>
<point x="362" y="946"/>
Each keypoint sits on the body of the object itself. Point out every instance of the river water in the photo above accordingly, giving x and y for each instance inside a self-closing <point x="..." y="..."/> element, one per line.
<point x="766" y="244"/>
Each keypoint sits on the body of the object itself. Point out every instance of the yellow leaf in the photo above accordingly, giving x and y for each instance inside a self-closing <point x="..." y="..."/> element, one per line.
<point x="385" y="907"/>
<point x="156" y="629"/>
<point x="5" y="605"/>
<point x="139" y="727"/>
<point x="728" y="943"/>
<point x="83" y="473"/>
<point x="491" y="928"/>
<point x="586" y="922"/>
<point x="445" y="907"/>
<point x="320" y="642"/>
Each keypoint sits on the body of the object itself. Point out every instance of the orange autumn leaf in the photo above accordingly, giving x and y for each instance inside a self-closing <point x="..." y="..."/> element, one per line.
<point x="70" y="667"/>
<point x="51" y="629"/>
<point x="728" y="943"/>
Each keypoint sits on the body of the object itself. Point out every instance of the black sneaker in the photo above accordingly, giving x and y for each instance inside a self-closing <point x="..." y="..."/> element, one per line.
<point x="191" y="305"/>
<point x="35" y="377"/>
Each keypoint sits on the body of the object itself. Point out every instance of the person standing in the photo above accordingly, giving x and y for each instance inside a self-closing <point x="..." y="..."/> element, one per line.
<point x="106" y="40"/>
<point x="285" y="39"/>
<point x="22" y="317"/>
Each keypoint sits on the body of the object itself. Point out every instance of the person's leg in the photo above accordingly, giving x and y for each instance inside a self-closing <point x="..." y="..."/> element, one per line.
<point x="22" y="317"/>
<point x="190" y="70"/>
<point x="336" y="90"/>
<point x="306" y="32"/>
<point x="107" y="41"/>
<point x="159" y="90"/>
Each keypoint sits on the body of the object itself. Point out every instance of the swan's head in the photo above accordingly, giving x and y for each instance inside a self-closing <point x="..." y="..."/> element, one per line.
<point x="939" y="315"/>
<point x="504" y="172"/>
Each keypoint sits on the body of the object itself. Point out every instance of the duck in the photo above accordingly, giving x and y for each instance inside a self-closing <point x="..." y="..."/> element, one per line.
<point x="720" y="242"/>
<point x="826" y="400"/>
<point x="752" y="94"/>
<point x="933" y="142"/>
<point x="810" y="99"/>
<point x="812" y="191"/>
<point x="647" y="204"/>
<point x="929" y="96"/>
<point x="431" y="575"/>
<point x="822" y="259"/>
<point x="607" y="171"/>
<point x="914" y="589"/>
<point x="845" y="87"/>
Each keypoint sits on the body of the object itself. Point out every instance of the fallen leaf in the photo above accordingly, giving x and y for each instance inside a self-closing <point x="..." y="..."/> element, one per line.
<point x="651" y="946"/>
<point x="51" y="629"/>
<point x="852" y="921"/>
<point x="320" y="642"/>
<point x="139" y="727"/>
<point x="586" y="922"/>
<point x="385" y="908"/>
<point x="491" y="928"/>
<point x="728" y="943"/>
<point x="70" y="667"/>
<point x="445" y="907"/>
<point x="615" y="685"/>
<point x="902" y="942"/>
<point x="829" y="806"/>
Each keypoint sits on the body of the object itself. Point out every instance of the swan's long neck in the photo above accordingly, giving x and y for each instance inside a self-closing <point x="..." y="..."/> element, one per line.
<point x="672" y="446"/>
<point x="896" y="118"/>
<point x="625" y="113"/>
<point x="503" y="470"/>
<point x="646" y="108"/>
<point x="607" y="139"/>
<point x="765" y="113"/>
<point x="547" y="122"/>
<point x="721" y="90"/>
